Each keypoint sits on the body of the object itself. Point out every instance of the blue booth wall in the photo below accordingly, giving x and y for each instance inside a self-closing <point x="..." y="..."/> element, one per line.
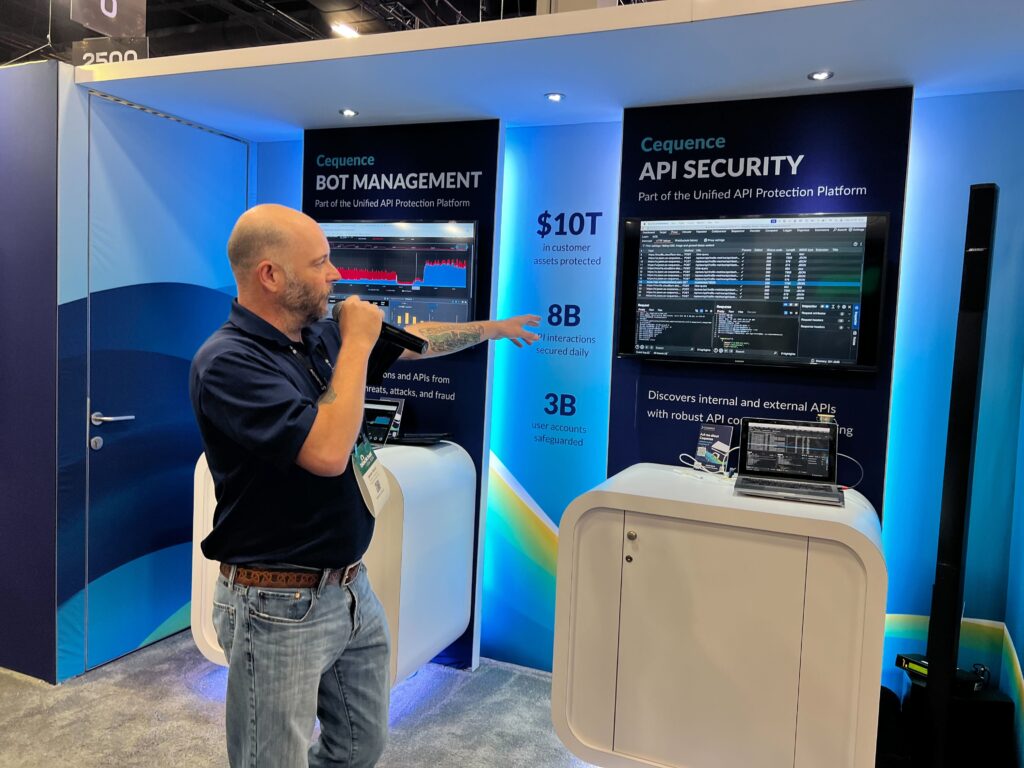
<point x="279" y="173"/>
<point x="955" y="142"/>
<point x="28" y="380"/>
<point x="1010" y="678"/>
<point x="72" y="379"/>
<point x="542" y="457"/>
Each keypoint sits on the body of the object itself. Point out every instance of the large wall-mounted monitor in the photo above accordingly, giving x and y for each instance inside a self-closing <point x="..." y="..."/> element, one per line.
<point x="793" y="290"/>
<point x="416" y="271"/>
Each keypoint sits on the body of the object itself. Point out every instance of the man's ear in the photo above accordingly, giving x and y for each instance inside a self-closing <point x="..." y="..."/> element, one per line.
<point x="270" y="276"/>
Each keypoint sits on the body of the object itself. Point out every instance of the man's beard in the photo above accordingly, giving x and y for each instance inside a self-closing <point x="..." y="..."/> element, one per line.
<point x="304" y="302"/>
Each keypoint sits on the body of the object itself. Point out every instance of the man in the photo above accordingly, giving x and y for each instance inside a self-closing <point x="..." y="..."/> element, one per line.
<point x="278" y="395"/>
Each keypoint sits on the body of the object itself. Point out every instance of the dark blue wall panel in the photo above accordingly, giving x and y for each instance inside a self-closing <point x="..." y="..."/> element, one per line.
<point x="28" y="349"/>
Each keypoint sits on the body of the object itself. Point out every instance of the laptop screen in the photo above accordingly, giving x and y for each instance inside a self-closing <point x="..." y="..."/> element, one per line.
<point x="379" y="416"/>
<point x="796" y="450"/>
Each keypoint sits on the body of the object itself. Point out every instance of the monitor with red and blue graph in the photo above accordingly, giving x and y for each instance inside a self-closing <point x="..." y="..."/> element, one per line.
<point x="416" y="271"/>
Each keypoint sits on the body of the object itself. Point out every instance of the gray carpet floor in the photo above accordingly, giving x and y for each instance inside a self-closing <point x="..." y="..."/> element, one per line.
<point x="164" y="706"/>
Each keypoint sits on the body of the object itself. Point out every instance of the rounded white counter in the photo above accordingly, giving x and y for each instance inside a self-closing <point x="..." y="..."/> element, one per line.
<point x="697" y="628"/>
<point x="420" y="560"/>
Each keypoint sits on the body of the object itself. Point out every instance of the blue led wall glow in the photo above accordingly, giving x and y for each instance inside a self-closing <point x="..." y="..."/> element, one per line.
<point x="955" y="142"/>
<point x="549" y="418"/>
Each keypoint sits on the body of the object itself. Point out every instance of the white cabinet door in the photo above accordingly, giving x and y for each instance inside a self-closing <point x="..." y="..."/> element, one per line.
<point x="709" y="647"/>
<point x="831" y="673"/>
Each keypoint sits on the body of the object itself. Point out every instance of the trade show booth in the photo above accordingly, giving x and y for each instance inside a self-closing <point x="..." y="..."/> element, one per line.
<point x="708" y="236"/>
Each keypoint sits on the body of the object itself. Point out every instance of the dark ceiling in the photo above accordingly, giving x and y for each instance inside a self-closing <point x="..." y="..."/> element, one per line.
<point x="36" y="29"/>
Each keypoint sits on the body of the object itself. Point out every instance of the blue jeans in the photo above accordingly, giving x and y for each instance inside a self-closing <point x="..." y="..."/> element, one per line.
<point x="297" y="654"/>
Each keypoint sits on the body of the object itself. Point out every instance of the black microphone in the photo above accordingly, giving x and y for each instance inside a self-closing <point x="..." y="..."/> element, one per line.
<point x="392" y="334"/>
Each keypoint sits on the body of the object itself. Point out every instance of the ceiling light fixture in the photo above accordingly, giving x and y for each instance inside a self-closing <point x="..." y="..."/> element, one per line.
<point x="346" y="112"/>
<point x="343" y="30"/>
<point x="821" y="75"/>
<point x="555" y="97"/>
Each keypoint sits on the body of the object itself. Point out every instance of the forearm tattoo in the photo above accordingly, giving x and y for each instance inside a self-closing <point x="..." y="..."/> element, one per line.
<point x="451" y="337"/>
<point x="328" y="397"/>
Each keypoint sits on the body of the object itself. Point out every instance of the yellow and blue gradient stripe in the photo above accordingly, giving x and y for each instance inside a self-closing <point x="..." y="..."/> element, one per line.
<point x="520" y="557"/>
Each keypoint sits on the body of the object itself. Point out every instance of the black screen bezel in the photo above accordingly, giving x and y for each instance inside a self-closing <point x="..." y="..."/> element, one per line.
<point x="833" y="448"/>
<point x="471" y="279"/>
<point x="872" y="298"/>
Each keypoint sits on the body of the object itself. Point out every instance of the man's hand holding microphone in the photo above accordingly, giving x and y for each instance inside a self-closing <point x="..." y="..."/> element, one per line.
<point x="385" y="331"/>
<point x="359" y="322"/>
<point x="339" y="416"/>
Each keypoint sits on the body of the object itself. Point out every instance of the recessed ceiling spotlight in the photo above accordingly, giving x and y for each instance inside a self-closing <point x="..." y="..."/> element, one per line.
<point x="555" y="97"/>
<point x="821" y="74"/>
<point x="347" y="112"/>
<point x="343" y="30"/>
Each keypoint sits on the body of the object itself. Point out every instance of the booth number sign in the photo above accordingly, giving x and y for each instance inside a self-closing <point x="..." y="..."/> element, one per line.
<point x="113" y="18"/>
<point x="106" y="50"/>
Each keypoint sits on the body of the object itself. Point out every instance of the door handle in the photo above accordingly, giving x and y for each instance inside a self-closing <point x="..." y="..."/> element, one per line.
<point x="98" y="418"/>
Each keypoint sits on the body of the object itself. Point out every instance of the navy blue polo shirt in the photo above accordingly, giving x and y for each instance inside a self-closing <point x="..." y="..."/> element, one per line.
<point x="255" y="400"/>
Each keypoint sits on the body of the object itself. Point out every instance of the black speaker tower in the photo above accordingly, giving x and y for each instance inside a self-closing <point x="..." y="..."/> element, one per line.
<point x="948" y="589"/>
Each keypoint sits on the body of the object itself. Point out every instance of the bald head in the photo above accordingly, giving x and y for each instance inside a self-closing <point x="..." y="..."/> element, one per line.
<point x="282" y="266"/>
<point x="267" y="231"/>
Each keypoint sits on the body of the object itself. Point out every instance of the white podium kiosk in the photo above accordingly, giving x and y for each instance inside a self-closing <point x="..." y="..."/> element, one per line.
<point x="420" y="561"/>
<point x="698" y="629"/>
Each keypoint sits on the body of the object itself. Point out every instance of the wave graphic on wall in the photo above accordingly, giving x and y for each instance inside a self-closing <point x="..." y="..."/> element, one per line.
<point x="520" y="559"/>
<point x="140" y="506"/>
<point x="127" y="626"/>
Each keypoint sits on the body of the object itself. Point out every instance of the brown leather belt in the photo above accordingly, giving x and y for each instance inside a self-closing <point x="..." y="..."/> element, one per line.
<point x="260" y="577"/>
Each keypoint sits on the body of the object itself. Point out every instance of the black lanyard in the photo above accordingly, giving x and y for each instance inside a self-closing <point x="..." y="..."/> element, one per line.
<point x="305" y="360"/>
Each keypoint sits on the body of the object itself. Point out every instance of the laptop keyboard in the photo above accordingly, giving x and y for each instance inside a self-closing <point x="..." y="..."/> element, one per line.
<point x="789" y="485"/>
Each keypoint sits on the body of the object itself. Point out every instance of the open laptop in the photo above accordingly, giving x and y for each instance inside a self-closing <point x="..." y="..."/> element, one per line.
<point x="379" y="417"/>
<point x="792" y="460"/>
<point x="383" y="420"/>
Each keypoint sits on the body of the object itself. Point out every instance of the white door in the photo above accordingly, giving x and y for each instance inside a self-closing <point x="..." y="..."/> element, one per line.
<point x="163" y="196"/>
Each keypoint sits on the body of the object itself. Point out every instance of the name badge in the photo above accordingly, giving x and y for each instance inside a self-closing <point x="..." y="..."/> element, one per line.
<point x="370" y="476"/>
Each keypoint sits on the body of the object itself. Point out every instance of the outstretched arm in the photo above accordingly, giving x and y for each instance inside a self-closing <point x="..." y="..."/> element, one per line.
<point x="445" y="338"/>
